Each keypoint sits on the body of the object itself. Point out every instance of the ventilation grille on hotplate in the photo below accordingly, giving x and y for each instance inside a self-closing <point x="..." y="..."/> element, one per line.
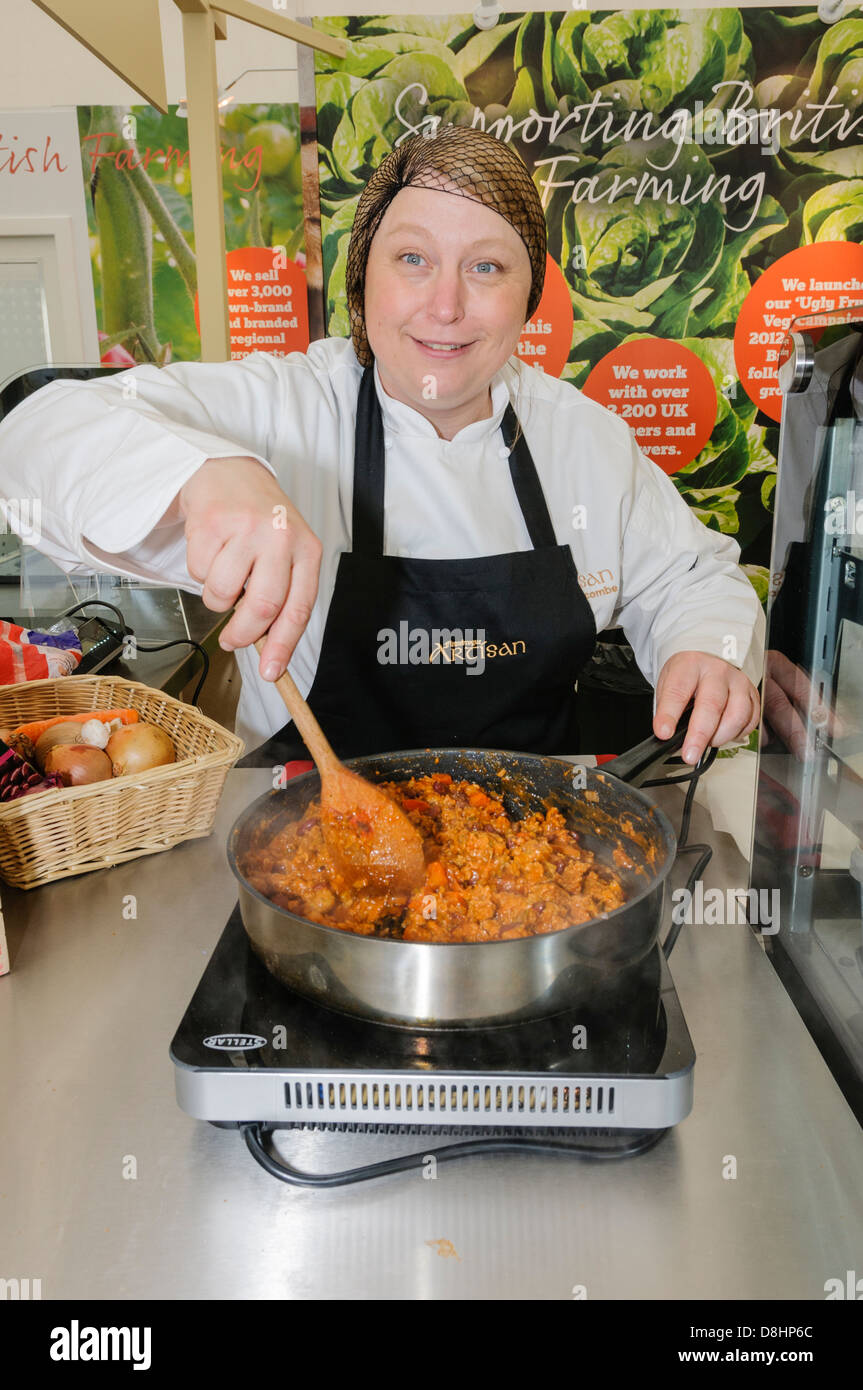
<point x="441" y="1098"/>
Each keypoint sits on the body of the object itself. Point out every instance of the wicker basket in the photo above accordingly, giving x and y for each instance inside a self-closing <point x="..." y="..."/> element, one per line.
<point x="73" y="830"/>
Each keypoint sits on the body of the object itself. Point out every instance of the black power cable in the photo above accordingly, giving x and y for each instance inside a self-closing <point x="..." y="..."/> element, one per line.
<point x="184" y="642"/>
<point x="159" y="647"/>
<point x="705" y="851"/>
<point x="99" y="603"/>
<point x="256" y="1136"/>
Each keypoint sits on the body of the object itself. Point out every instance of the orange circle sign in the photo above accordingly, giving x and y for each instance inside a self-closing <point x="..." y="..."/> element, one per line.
<point x="267" y="303"/>
<point x="665" y="394"/>
<point x="547" y="338"/>
<point x="822" y="278"/>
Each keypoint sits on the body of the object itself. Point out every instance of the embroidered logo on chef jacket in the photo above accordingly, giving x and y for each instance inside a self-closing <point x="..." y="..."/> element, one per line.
<point x="595" y="585"/>
<point x="419" y="646"/>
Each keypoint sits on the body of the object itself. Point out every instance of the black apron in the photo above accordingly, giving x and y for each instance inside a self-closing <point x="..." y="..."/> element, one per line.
<point x="474" y="653"/>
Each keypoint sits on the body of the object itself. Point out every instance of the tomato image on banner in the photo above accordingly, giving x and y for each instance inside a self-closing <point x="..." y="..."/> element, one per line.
<point x="546" y="339"/>
<point x="267" y="302"/>
<point x="665" y="394"/>
<point x="823" y="278"/>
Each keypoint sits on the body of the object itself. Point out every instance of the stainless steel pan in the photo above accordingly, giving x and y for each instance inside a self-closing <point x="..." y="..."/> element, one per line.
<point x="427" y="985"/>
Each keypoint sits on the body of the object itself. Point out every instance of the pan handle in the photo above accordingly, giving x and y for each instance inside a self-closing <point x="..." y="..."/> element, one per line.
<point x="631" y="765"/>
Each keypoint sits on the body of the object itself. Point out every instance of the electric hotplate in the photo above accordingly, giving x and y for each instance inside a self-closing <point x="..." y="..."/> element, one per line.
<point x="250" y="1052"/>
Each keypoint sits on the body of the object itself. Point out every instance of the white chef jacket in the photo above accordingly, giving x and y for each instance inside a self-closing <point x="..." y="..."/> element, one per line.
<point x="106" y="458"/>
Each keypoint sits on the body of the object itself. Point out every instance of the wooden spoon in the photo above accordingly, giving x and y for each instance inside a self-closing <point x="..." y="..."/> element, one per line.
<point x="369" y="837"/>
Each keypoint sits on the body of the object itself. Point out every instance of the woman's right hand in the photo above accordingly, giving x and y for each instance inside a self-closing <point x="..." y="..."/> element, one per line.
<point x="249" y="546"/>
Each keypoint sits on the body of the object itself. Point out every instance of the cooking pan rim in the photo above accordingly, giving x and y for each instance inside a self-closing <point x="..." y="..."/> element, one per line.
<point x="663" y="822"/>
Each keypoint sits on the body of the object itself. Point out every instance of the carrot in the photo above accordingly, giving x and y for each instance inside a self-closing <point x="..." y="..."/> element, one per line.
<point x="436" y="875"/>
<point x="35" y="730"/>
<point x="479" y="799"/>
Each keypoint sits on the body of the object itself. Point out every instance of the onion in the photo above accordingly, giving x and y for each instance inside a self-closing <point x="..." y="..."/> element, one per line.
<point x="70" y="732"/>
<point x="95" y="732"/>
<point x="77" y="765"/>
<point x="138" y="747"/>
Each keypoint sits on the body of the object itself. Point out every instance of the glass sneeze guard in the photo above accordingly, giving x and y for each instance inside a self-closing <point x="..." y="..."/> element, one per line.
<point x="808" y="835"/>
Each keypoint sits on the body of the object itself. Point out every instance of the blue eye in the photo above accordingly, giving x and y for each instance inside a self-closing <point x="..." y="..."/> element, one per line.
<point x="491" y="265"/>
<point x="412" y="254"/>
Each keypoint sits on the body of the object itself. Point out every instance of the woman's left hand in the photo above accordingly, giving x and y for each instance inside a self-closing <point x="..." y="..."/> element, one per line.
<point x="727" y="705"/>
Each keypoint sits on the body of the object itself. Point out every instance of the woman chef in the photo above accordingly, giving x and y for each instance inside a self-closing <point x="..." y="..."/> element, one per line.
<point x="430" y="531"/>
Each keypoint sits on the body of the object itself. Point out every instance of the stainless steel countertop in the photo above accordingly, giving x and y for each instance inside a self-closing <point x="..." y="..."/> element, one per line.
<point x="155" y="616"/>
<point x="155" y="613"/>
<point x="86" y="1086"/>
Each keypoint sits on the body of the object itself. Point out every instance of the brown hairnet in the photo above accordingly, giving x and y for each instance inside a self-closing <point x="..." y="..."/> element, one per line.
<point x="482" y="167"/>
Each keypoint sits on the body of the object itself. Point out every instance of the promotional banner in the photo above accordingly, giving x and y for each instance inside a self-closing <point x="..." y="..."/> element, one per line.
<point x="138" y="174"/>
<point x="702" y="176"/>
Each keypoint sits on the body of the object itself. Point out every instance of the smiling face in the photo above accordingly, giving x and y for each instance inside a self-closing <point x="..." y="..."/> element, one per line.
<point x="446" y="293"/>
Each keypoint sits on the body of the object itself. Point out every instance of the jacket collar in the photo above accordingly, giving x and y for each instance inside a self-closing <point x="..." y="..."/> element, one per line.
<point x="402" y="419"/>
